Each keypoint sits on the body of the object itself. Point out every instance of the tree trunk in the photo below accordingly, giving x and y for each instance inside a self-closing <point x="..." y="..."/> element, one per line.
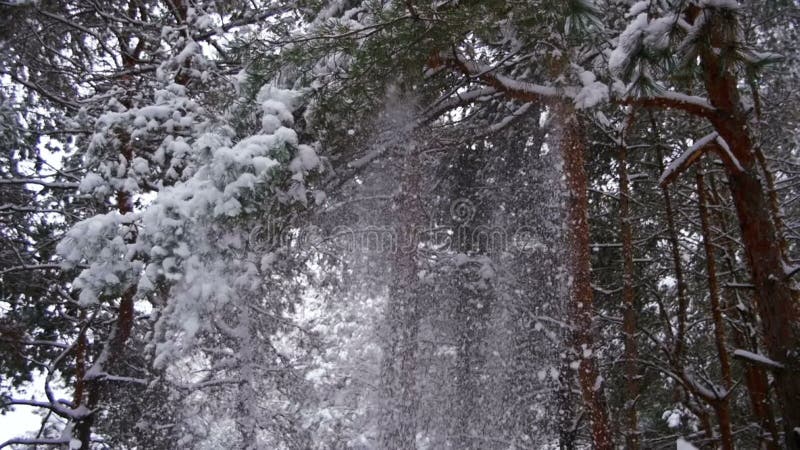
<point x="721" y="406"/>
<point x="629" y="305"/>
<point x="755" y="377"/>
<point x="772" y="192"/>
<point x="581" y="307"/>
<point x="776" y="300"/>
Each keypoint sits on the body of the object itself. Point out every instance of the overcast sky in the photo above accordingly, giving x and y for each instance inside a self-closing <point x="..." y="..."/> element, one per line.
<point x="23" y="419"/>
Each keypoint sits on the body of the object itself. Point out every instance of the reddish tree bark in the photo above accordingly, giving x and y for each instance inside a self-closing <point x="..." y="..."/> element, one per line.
<point x="721" y="406"/>
<point x="776" y="299"/>
<point x="581" y="305"/>
<point x="755" y="377"/>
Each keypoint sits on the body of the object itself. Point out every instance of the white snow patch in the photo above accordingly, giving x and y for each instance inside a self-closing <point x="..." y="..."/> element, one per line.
<point x="756" y="358"/>
<point x="629" y="42"/>
<point x="684" y="157"/>
<point x="638" y="8"/>
<point x="673" y="418"/>
<point x="592" y="93"/>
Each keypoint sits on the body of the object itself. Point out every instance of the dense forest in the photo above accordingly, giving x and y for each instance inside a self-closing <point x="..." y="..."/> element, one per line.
<point x="385" y="224"/>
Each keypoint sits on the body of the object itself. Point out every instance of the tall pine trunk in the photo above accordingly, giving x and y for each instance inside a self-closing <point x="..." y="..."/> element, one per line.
<point x="755" y="377"/>
<point x="776" y="300"/>
<point x="721" y="406"/>
<point x="629" y="304"/>
<point x="581" y="303"/>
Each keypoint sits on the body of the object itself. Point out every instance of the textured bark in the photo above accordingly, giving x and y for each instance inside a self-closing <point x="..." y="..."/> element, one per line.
<point x="629" y="305"/>
<point x="721" y="406"/>
<point x="80" y="365"/>
<point x="755" y="377"/>
<point x="581" y="303"/>
<point x="776" y="300"/>
<point x="774" y="202"/>
<point x="776" y="303"/>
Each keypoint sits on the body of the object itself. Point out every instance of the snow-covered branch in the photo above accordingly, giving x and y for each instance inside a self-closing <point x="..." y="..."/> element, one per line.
<point x="592" y="93"/>
<point x="30" y="267"/>
<point x="39" y="182"/>
<point x="519" y="90"/>
<point x="696" y="106"/>
<point x="757" y="359"/>
<point x="687" y="159"/>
